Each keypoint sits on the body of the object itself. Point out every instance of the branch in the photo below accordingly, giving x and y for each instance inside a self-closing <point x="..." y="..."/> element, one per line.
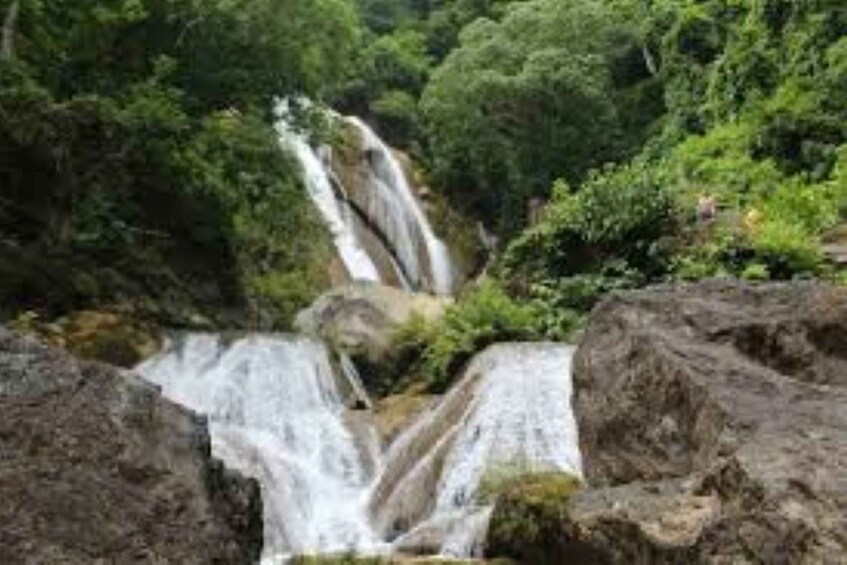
<point x="7" y="48"/>
<point x="649" y="61"/>
<point x="198" y="20"/>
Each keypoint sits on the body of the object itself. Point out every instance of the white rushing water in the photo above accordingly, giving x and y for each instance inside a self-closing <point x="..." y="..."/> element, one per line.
<point x="511" y="413"/>
<point x="418" y="258"/>
<point x="398" y="213"/>
<point x="275" y="413"/>
<point x="334" y="211"/>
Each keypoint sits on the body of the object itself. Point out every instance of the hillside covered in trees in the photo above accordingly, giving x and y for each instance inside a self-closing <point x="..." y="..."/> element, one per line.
<point x="138" y="160"/>
<point x="140" y="167"/>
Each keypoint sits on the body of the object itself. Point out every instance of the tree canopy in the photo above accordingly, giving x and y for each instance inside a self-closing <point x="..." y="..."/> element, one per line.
<point x="138" y="156"/>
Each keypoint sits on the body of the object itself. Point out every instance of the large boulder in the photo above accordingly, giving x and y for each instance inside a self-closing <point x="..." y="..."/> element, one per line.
<point x="713" y="426"/>
<point x="362" y="317"/>
<point x="95" y="466"/>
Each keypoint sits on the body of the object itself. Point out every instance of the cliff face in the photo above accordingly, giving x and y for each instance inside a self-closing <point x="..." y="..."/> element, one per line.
<point x="713" y="425"/>
<point x="95" y="465"/>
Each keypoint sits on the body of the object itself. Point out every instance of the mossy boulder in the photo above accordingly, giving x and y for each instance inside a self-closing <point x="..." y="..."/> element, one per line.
<point x="108" y="337"/>
<point x="529" y="514"/>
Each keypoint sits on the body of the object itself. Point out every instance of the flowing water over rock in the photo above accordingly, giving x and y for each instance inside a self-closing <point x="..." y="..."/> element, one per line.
<point x="511" y="412"/>
<point x="335" y="211"/>
<point x="397" y="212"/>
<point x="276" y="413"/>
<point x="277" y="408"/>
<point x="380" y="232"/>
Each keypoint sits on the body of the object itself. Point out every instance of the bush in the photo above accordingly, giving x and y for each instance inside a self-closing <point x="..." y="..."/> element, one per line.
<point x="483" y="316"/>
<point x="787" y="250"/>
<point x="755" y="272"/>
<point x="404" y="361"/>
<point x="618" y="221"/>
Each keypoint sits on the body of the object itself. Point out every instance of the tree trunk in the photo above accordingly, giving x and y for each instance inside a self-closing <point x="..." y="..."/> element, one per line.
<point x="7" y="48"/>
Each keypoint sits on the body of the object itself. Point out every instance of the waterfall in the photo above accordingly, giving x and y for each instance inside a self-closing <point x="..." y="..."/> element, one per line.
<point x="281" y="411"/>
<point x="416" y="258"/>
<point x="398" y="213"/>
<point x="334" y="211"/>
<point x="511" y="412"/>
<point x="275" y="413"/>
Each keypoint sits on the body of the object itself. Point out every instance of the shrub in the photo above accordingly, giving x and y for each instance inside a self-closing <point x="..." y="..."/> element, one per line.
<point x="403" y="364"/>
<point x="483" y="316"/>
<point x="618" y="222"/>
<point x="756" y="272"/>
<point x="787" y="249"/>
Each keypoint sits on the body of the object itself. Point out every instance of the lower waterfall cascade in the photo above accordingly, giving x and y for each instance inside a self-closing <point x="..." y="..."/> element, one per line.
<point x="276" y="414"/>
<point x="278" y="411"/>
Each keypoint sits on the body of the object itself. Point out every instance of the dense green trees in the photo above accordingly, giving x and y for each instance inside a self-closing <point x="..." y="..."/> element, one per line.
<point x="539" y="96"/>
<point x="137" y="154"/>
<point x="754" y="114"/>
<point x="138" y="161"/>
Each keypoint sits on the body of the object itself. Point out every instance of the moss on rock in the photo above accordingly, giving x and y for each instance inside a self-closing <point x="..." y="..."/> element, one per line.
<point x="101" y="336"/>
<point x="529" y="515"/>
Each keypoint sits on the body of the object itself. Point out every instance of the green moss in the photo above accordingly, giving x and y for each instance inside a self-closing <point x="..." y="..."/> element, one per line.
<point x="101" y="336"/>
<point x="529" y="515"/>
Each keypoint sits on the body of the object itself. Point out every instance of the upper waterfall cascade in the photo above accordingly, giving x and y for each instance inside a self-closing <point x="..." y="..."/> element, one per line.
<point x="418" y="259"/>
<point x="334" y="211"/>
<point x="277" y="412"/>
<point x="399" y="214"/>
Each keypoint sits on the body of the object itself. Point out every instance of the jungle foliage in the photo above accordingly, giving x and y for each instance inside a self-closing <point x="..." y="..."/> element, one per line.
<point x="138" y="163"/>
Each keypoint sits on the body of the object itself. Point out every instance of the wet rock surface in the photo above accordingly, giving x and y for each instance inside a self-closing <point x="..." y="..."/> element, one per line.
<point x="95" y="466"/>
<point x="362" y="317"/>
<point x="713" y="426"/>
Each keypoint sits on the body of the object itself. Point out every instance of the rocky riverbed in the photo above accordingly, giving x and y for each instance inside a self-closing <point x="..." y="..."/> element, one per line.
<point x="712" y="421"/>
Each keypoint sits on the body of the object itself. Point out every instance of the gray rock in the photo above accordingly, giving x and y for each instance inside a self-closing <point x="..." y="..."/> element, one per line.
<point x="95" y="466"/>
<point x="735" y="396"/>
<point x="362" y="317"/>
